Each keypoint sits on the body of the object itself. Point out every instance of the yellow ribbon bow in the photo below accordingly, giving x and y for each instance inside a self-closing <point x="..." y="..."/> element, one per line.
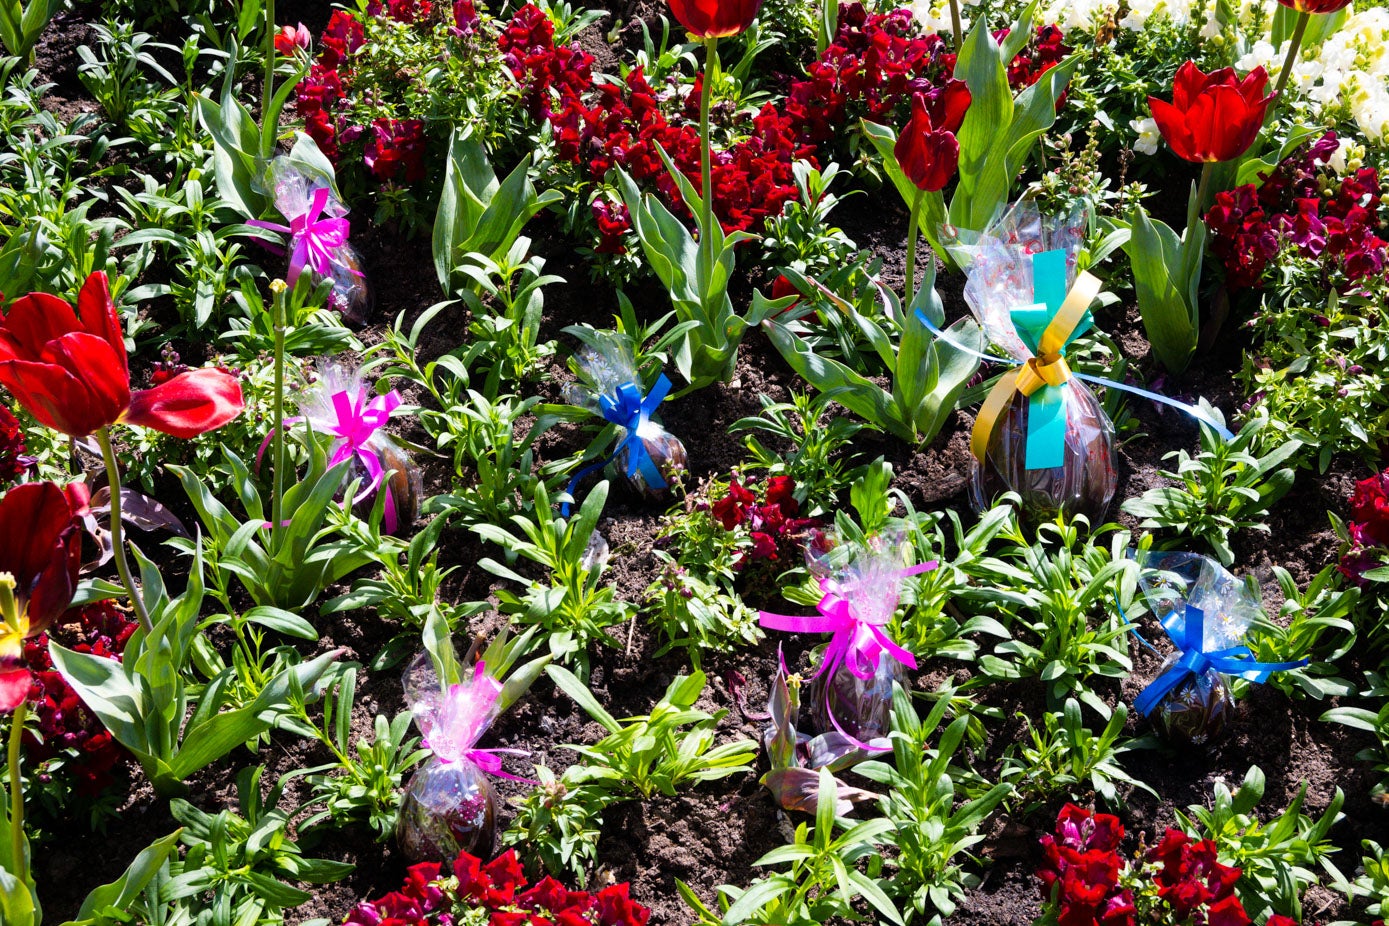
<point x="1049" y="368"/>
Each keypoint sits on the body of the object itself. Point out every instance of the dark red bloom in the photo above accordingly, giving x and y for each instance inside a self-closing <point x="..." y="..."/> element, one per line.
<point x="781" y="492"/>
<point x="1212" y="117"/>
<point x="342" y="37"/>
<point x="68" y="369"/>
<point x="616" y="908"/>
<point x="715" y="18"/>
<point x="927" y="149"/>
<point x="732" y="509"/>
<point x="613" y="224"/>
<point x="396" y="150"/>
<point x="1316" y="6"/>
<point x="465" y="18"/>
<point x="13" y="463"/>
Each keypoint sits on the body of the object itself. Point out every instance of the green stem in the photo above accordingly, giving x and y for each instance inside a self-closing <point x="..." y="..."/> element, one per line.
<point x="113" y="482"/>
<point x="280" y="290"/>
<point x="268" y="130"/>
<point x="955" y="24"/>
<point x="706" y="190"/>
<point x="910" y="294"/>
<point x="1294" y="46"/>
<point x="21" y="869"/>
<point x="1207" y="169"/>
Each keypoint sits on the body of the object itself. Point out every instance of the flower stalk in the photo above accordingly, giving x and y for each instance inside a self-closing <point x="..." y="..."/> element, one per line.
<point x="113" y="481"/>
<point x="279" y="290"/>
<point x="17" y="854"/>
<point x="706" y="170"/>
<point x="955" y="24"/>
<point x="1294" y="46"/>
<point x="913" y="222"/>
<point x="268" y="129"/>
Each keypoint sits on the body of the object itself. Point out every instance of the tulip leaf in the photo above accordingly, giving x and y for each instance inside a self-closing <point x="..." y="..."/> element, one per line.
<point x="121" y="893"/>
<point x="1160" y="271"/>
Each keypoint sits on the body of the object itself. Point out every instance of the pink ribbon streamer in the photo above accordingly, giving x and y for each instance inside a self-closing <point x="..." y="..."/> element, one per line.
<point x="315" y="239"/>
<point x="857" y="644"/>
<point x="357" y="421"/>
<point x="461" y="719"/>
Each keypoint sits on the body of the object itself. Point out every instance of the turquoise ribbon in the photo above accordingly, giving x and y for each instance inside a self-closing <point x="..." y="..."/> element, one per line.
<point x="629" y="410"/>
<point x="1186" y="627"/>
<point x="1046" y="418"/>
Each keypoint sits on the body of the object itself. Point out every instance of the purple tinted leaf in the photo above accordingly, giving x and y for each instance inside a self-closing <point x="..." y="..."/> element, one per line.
<point x="799" y="788"/>
<point x="836" y="752"/>
<point x="139" y="510"/>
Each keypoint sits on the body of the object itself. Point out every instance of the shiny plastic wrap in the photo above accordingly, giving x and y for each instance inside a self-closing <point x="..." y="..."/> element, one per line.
<point x="340" y="404"/>
<point x="1055" y="446"/>
<point x="608" y="386"/>
<point x="449" y="804"/>
<point x="318" y="230"/>
<point x="1206" y="611"/>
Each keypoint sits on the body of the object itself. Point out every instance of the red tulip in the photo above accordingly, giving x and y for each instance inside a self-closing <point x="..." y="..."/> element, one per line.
<point x="1316" y="6"/>
<point x="1212" y="117"/>
<point x="927" y="149"/>
<point x="40" y="553"/>
<point x="711" y="19"/>
<point x="68" y="369"/>
<point x="291" y="38"/>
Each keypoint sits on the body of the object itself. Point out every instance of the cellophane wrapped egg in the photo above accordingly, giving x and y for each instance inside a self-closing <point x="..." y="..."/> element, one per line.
<point x="351" y="296"/>
<point x="405" y="483"/>
<point x="1083" y="484"/>
<point x="666" y="451"/>
<point x="448" y="807"/>
<point x="1196" y="711"/>
<point x="862" y="707"/>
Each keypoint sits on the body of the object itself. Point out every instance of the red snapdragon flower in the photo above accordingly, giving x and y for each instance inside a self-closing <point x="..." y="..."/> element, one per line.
<point x="341" y="38"/>
<point x="927" y="149"/>
<point x="396" y="150"/>
<point x="69" y="370"/>
<point x="708" y="19"/>
<point x="1316" y="6"/>
<point x="732" y="509"/>
<point x="1191" y="878"/>
<point x="292" y="39"/>
<point x="1212" y="117"/>
<point x="40" y="554"/>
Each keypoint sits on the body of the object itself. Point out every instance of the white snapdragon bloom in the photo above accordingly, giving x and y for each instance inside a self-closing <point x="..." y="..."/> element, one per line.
<point x="1148" y="135"/>
<point x="934" y="16"/>
<point x="1337" y="161"/>
<point x="1262" y="54"/>
<point x="1212" y="27"/>
<point x="1371" y="110"/>
<point x="1139" y="12"/>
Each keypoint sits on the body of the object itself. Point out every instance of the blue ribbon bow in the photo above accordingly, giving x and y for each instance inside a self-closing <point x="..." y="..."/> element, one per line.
<point x="1186" y="627"/>
<point x="630" y="410"/>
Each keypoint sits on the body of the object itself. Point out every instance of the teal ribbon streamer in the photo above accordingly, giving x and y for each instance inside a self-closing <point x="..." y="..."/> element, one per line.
<point x="1046" y="418"/>
<point x="1191" y="410"/>
<point x="1186" y="627"/>
<point x="630" y="410"/>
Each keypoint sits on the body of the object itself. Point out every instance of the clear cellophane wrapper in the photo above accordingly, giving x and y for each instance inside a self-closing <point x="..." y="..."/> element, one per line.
<point x="1197" y="710"/>
<point x="868" y="574"/>
<point x="999" y="281"/>
<point x="602" y="366"/>
<point x="404" y="481"/>
<point x="449" y="805"/>
<point x="292" y="185"/>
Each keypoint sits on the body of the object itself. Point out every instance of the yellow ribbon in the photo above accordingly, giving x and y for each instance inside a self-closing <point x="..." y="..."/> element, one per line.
<point x="1047" y="369"/>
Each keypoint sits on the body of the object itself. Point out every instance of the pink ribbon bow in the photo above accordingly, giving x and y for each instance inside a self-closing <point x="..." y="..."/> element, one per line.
<point x="315" y="239"/>
<point x="857" y="643"/>
<point x="467" y="711"/>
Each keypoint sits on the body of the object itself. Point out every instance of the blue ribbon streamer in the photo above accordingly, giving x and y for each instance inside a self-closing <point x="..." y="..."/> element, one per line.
<point x="1191" y="410"/>
<point x="630" y="410"/>
<point x="1186" y="627"/>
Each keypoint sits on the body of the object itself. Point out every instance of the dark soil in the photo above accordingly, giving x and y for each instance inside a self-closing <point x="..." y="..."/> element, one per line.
<point x="711" y="835"/>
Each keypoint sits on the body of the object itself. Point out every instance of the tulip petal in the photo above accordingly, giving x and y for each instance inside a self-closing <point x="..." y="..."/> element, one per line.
<point x="32" y="322"/>
<point x="190" y="404"/>
<point x="951" y="105"/>
<point x="101" y="373"/>
<point x="33" y="517"/>
<point x="15" y="681"/>
<point x="1187" y="83"/>
<point x="55" y="397"/>
<point x="1171" y="123"/>
<point x="99" y="316"/>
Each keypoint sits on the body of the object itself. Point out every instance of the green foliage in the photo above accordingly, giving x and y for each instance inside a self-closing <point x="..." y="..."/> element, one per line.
<point x="802" y="237"/>
<point x="1376" y="723"/>
<point x="506" y="328"/>
<point x="1276" y="856"/>
<point x="1167" y="277"/>
<point x="699" y="615"/>
<point x="1065" y="757"/>
<point x="286" y="566"/>
<point x="22" y="23"/>
<point x="480" y="218"/>
<point x="1372" y="883"/>
<point x="1050" y="585"/>
<point x="672" y="745"/>
<point x="571" y="605"/>
<point x="235" y="866"/>
<point x="171" y="727"/>
<point x="809" y="446"/>
<point x="927" y="375"/>
<point x="1314" y="623"/>
<point x="822" y="880"/>
<point x="934" y="824"/>
<point x="1224" y="488"/>
<point x="557" y="824"/>
<point x="111" y="903"/>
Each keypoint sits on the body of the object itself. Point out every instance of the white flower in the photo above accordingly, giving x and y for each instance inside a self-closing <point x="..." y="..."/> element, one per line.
<point x="1148" y="135"/>
<point x="1261" y="55"/>
<point x="1212" y="27"/>
<point x="1337" y="161"/>
<point x="1139" y="11"/>
<point x="1371" y="110"/>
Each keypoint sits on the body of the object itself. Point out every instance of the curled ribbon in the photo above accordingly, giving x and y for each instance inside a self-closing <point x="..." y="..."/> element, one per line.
<point x="315" y="240"/>
<point x="357" y="421"/>
<point x="857" y="644"/>
<point x="1186" y="627"/>
<point x="630" y="410"/>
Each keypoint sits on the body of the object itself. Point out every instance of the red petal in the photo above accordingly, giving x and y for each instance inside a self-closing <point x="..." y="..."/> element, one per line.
<point x="190" y="404"/>
<point x="100" y="374"/>
<point x="33" y="517"/>
<point x="32" y="322"/>
<point x="1189" y="81"/>
<point x="99" y="316"/>
<point x="951" y="106"/>
<point x="15" y="681"/>
<point x="1171" y="123"/>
